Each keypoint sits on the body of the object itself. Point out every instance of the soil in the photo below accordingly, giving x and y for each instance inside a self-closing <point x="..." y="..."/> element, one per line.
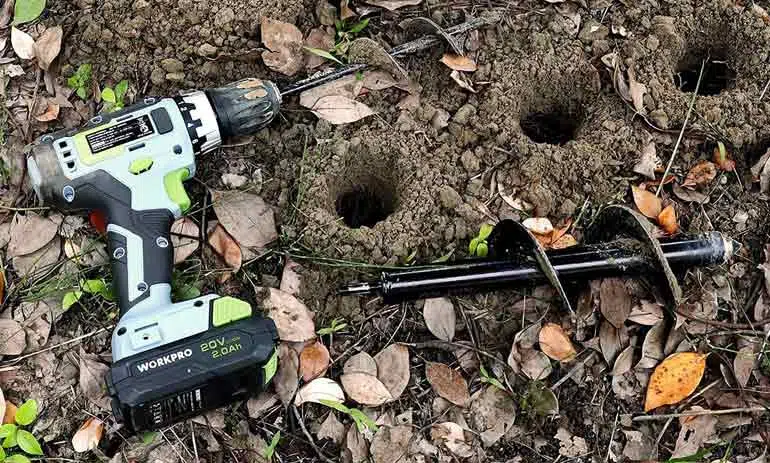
<point x="546" y="126"/>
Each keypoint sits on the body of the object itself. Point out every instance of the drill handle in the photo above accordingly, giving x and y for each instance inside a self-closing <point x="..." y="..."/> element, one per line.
<point x="141" y="255"/>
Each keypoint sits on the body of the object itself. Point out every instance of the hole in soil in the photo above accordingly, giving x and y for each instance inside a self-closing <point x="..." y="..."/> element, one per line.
<point x="755" y="151"/>
<point x="555" y="125"/>
<point x="364" y="191"/>
<point x="366" y="204"/>
<point x="718" y="76"/>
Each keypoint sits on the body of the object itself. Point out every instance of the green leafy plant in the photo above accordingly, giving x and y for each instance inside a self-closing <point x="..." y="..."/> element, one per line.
<point x="337" y="325"/>
<point x="362" y="421"/>
<point x="345" y="35"/>
<point x="114" y="99"/>
<point x="97" y="287"/>
<point x="479" y="246"/>
<point x="270" y="449"/>
<point x="489" y="379"/>
<point x="27" y="10"/>
<point x="14" y="435"/>
<point x="81" y="81"/>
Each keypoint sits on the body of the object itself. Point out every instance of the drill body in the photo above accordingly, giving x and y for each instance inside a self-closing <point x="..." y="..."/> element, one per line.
<point x="171" y="360"/>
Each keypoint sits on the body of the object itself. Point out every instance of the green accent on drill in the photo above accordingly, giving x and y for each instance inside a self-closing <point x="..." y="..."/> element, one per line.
<point x="175" y="189"/>
<point x="271" y="367"/>
<point x="84" y="151"/>
<point x="140" y="165"/>
<point x="229" y="309"/>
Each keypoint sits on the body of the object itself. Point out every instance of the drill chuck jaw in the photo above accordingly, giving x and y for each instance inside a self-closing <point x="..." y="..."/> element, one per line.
<point x="245" y="107"/>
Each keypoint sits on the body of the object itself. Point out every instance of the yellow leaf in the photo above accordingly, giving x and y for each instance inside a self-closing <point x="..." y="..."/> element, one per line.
<point x="674" y="379"/>
<point x="647" y="203"/>
<point x="555" y="343"/>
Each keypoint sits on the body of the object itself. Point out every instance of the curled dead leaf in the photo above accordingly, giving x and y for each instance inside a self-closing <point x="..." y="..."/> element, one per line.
<point x="459" y="62"/>
<point x="675" y="379"/>
<point x="447" y="383"/>
<point x="313" y="361"/>
<point x="538" y="225"/>
<point x="365" y="389"/>
<point x="88" y="436"/>
<point x="339" y="109"/>
<point x="284" y="42"/>
<point x="667" y="220"/>
<point x="226" y="247"/>
<point x="50" y="114"/>
<point x="293" y="320"/>
<point x="701" y="174"/>
<point x="23" y="44"/>
<point x="555" y="343"/>
<point x="462" y="80"/>
<point x="48" y="46"/>
<point x="647" y="203"/>
<point x="319" y="389"/>
<point x="183" y="233"/>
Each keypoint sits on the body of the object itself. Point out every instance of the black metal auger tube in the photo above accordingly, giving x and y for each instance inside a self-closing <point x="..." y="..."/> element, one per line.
<point x="575" y="263"/>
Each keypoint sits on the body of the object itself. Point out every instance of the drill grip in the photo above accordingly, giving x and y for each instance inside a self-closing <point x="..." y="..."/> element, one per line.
<point x="141" y="255"/>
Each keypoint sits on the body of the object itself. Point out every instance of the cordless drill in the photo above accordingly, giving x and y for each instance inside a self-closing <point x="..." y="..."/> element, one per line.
<point x="171" y="360"/>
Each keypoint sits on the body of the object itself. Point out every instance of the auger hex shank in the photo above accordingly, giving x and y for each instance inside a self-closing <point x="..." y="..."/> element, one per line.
<point x="171" y="360"/>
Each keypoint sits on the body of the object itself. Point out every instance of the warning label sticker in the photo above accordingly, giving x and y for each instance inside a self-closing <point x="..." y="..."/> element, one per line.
<point x="119" y="134"/>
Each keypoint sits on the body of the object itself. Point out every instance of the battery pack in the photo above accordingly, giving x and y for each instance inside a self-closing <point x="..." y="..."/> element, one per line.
<point x="219" y="366"/>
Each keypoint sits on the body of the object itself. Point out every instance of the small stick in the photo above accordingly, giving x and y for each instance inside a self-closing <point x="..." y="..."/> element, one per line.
<point x="684" y="125"/>
<point x="729" y="411"/>
<point x="309" y="437"/>
<point x="764" y="91"/>
<point x="573" y="371"/>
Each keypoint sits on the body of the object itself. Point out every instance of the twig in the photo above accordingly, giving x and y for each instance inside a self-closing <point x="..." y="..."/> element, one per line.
<point x="195" y="446"/>
<point x="684" y="125"/>
<point x="764" y="91"/>
<point x="612" y="437"/>
<point x="309" y="437"/>
<point x="729" y="411"/>
<point x="32" y="354"/>
<point x="573" y="371"/>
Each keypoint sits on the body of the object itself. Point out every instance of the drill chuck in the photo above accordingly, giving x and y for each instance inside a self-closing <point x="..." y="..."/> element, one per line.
<point x="245" y="107"/>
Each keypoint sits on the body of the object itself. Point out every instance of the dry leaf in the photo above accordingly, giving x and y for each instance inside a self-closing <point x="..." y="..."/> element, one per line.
<point x="286" y="378"/>
<point x="459" y="62"/>
<point x="702" y="174"/>
<point x="313" y="361"/>
<point x="247" y="218"/>
<point x="492" y="413"/>
<point x="535" y="365"/>
<point x="637" y="91"/>
<point x="744" y="364"/>
<point x="365" y="389"/>
<point x="675" y="379"/>
<point x="10" y="413"/>
<point x="538" y="225"/>
<point x="93" y="379"/>
<point x="291" y="280"/>
<point x="695" y="432"/>
<point x="393" y="368"/>
<point x="439" y="314"/>
<point x="48" y="46"/>
<point x="356" y="446"/>
<point x="50" y="114"/>
<point x="391" y="443"/>
<point x="653" y="345"/>
<point x="321" y="38"/>
<point x="23" y="44"/>
<point x="565" y="241"/>
<point x="292" y="318"/>
<point x="88" y="436"/>
<point x="226" y="247"/>
<point x="462" y="80"/>
<point x="647" y="203"/>
<point x="555" y="343"/>
<point x="338" y="109"/>
<point x="13" y="339"/>
<point x="30" y="233"/>
<point x="331" y="428"/>
<point x="361" y="363"/>
<point x="393" y="5"/>
<point x="452" y="436"/>
<point x="283" y="41"/>
<point x="648" y="161"/>
<point x="667" y="220"/>
<point x="615" y="301"/>
<point x="612" y="340"/>
<point x="690" y="196"/>
<point x="261" y="403"/>
<point x="319" y="389"/>
<point x="648" y="313"/>
<point x="186" y="244"/>
<point x="447" y="383"/>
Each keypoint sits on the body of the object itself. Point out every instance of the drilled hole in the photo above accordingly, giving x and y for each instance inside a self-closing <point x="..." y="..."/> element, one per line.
<point x="554" y="125"/>
<point x="718" y="75"/>
<point x="365" y="205"/>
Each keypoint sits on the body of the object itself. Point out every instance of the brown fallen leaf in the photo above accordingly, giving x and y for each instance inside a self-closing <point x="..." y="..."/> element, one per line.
<point x="439" y="314"/>
<point x="675" y="379"/>
<point x="321" y="38"/>
<point x="226" y="247"/>
<point x="50" y="114"/>
<point x="689" y="195"/>
<point x="538" y="225"/>
<point x="186" y="244"/>
<point x="393" y="5"/>
<point x="247" y="218"/>
<point x="612" y="340"/>
<point x="653" y="346"/>
<point x="648" y="161"/>
<point x="615" y="301"/>
<point x="88" y="436"/>
<point x="23" y="44"/>
<point x="331" y="428"/>
<point x="459" y="62"/>
<point x="283" y="41"/>
<point x="93" y="379"/>
<point x="447" y="383"/>
<point x="393" y="368"/>
<point x="555" y="343"/>
<point x="565" y="241"/>
<point x="701" y="174"/>
<point x="695" y="432"/>
<point x="320" y="389"/>
<point x="30" y="233"/>
<point x="361" y="363"/>
<point x="391" y="443"/>
<point x="313" y="361"/>
<point x="462" y="80"/>
<point x="647" y="203"/>
<point x="10" y="413"/>
<point x="746" y="361"/>
<point x="293" y="320"/>
<point x="667" y="220"/>
<point x="286" y="380"/>
<point x="291" y="278"/>
<point x="647" y="313"/>
<point x="356" y="447"/>
<point x="338" y="109"/>
<point x="48" y="46"/>
<point x="535" y="365"/>
<point x="492" y="412"/>
<point x="452" y="436"/>
<point x="365" y="389"/>
<point x="13" y="339"/>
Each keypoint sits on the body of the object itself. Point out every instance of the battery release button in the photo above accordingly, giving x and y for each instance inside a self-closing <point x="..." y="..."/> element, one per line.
<point x="229" y="309"/>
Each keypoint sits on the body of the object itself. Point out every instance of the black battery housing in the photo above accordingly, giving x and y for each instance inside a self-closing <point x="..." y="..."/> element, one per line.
<point x="185" y="378"/>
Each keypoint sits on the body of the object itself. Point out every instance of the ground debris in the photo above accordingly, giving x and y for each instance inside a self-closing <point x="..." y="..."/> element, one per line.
<point x="571" y="446"/>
